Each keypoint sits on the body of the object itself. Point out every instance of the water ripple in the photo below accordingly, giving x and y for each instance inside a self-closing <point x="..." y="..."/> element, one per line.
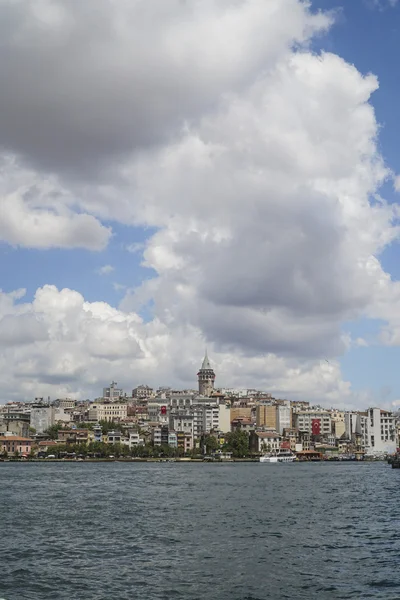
<point x="228" y="532"/>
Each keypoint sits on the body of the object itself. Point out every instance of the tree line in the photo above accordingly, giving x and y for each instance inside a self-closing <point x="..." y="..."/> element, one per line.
<point x="236" y="443"/>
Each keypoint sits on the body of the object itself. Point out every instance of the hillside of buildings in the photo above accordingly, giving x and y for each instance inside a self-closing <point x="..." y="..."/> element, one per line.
<point x="189" y="423"/>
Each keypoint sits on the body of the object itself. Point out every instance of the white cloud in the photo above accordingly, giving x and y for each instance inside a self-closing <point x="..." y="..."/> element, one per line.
<point x="381" y="4"/>
<point x="105" y="270"/>
<point x="89" y="91"/>
<point x="65" y="345"/>
<point x="37" y="212"/>
<point x="135" y="247"/>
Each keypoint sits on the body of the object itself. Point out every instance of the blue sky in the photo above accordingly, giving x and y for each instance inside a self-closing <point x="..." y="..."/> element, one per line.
<point x="368" y="36"/>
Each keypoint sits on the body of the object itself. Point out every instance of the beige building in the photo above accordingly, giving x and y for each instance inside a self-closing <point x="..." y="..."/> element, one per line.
<point x="240" y="412"/>
<point x="114" y="411"/>
<point x="266" y="416"/>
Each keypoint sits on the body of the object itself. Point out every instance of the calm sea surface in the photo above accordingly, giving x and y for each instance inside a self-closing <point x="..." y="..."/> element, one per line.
<point x="197" y="531"/>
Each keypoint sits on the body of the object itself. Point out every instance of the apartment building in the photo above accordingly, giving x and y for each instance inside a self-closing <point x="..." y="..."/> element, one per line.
<point x="283" y="417"/>
<point x="14" y="443"/>
<point x="381" y="431"/>
<point x="113" y="411"/>
<point x="263" y="441"/>
<point x="304" y="421"/>
<point x="142" y="392"/>
<point x="266" y="415"/>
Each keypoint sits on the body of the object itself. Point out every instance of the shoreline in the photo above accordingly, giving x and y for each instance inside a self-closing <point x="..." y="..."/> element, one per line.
<point x="183" y="461"/>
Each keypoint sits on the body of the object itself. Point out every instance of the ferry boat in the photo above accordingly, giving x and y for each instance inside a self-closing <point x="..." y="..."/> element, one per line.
<point x="281" y="456"/>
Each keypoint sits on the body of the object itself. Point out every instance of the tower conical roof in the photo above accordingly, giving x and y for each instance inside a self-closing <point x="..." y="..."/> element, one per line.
<point x="206" y="363"/>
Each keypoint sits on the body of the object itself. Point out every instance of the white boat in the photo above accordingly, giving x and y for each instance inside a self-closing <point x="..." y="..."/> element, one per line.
<point x="280" y="456"/>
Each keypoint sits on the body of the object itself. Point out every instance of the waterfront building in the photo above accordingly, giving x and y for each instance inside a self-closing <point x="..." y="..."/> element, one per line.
<point x="265" y="441"/>
<point x="206" y="378"/>
<point x="172" y="439"/>
<point x="14" y="443"/>
<point x="381" y="431"/>
<point x="135" y="439"/>
<point x="45" y="445"/>
<point x="184" y="441"/>
<point x="114" y="437"/>
<point x="97" y="433"/>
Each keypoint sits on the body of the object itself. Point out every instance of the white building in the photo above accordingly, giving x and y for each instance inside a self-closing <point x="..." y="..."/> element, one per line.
<point x="224" y="417"/>
<point x="42" y="418"/>
<point x="172" y="439"/>
<point x="305" y="418"/>
<point x="135" y="439"/>
<point x="112" y="393"/>
<point x="114" y="411"/>
<point x="268" y="441"/>
<point x="283" y="417"/>
<point x="141" y="392"/>
<point x="181" y="421"/>
<point x="381" y="431"/>
<point x="65" y="403"/>
<point x="158" y="412"/>
<point x="181" y="401"/>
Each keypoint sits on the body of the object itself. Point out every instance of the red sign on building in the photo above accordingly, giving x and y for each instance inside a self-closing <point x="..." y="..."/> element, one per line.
<point x="163" y="410"/>
<point x="316" y="426"/>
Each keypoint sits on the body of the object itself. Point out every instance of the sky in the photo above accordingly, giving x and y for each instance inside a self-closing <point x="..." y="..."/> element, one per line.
<point x="179" y="175"/>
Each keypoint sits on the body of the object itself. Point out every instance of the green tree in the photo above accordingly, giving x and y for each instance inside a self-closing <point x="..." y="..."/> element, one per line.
<point x="237" y="442"/>
<point x="210" y="443"/>
<point x="108" y="426"/>
<point x="52" y="432"/>
<point x="85" y="425"/>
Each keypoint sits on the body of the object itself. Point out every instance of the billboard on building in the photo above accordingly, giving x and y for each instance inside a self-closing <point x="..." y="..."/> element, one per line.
<point x="316" y="426"/>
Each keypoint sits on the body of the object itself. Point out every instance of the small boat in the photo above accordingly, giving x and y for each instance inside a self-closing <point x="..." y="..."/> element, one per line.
<point x="280" y="456"/>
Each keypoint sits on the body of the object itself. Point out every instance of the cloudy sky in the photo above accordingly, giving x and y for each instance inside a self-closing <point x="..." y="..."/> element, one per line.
<point x="176" y="174"/>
